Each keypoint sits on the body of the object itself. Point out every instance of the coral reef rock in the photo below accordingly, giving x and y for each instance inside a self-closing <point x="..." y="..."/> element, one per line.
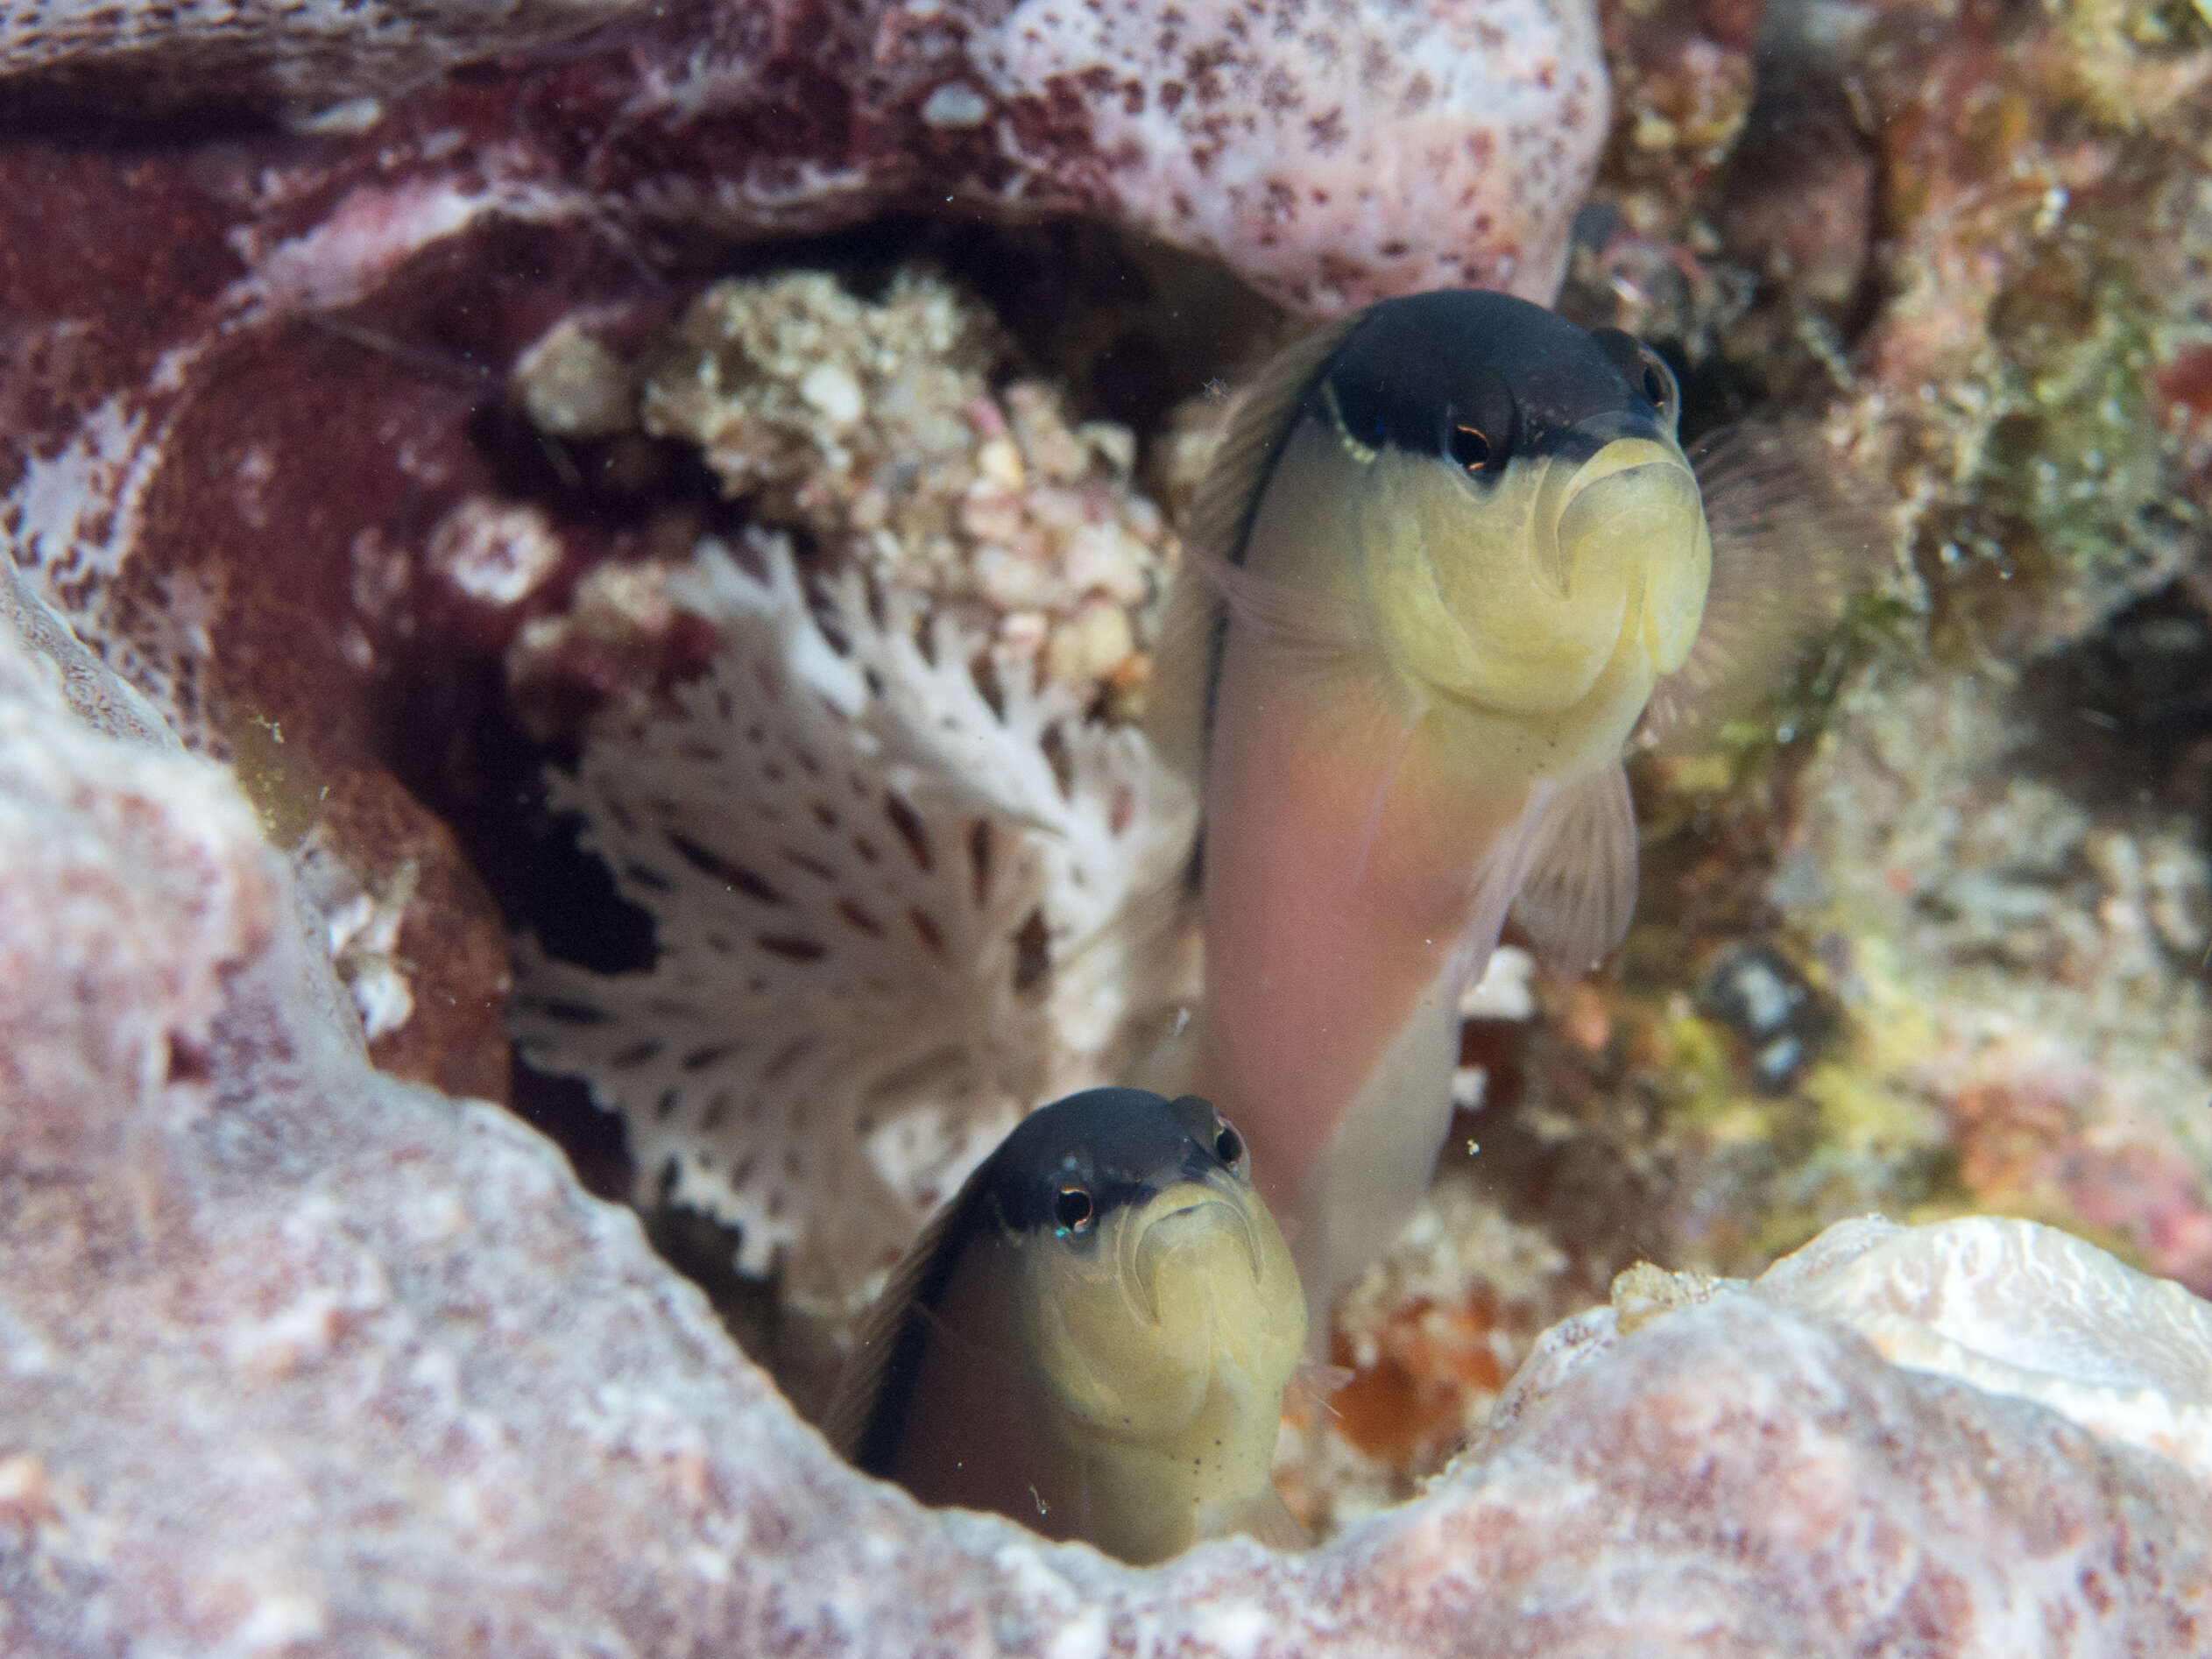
<point x="303" y="1358"/>
<point x="874" y="429"/>
<point x="320" y="56"/>
<point x="1331" y="156"/>
<point x="253" y="445"/>
<point x="890" y="917"/>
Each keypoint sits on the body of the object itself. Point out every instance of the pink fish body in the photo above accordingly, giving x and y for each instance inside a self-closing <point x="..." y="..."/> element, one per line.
<point x="1446" y="554"/>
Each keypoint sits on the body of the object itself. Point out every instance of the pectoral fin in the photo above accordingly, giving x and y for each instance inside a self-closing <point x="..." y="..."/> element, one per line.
<point x="1580" y="889"/>
<point x="1291" y="620"/>
<point x="1793" y="534"/>
<point x="1270" y="1520"/>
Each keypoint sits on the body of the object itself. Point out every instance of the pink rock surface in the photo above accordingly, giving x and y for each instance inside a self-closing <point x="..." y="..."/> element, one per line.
<point x="1331" y="154"/>
<point x="301" y="1359"/>
<point x="316" y="51"/>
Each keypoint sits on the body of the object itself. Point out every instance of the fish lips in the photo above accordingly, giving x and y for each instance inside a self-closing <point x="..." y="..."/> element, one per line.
<point x="1187" y="1226"/>
<point x="1621" y="505"/>
<point x="1186" y="1288"/>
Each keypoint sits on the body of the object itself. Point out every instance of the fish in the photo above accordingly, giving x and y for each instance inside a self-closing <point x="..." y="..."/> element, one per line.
<point x="1092" y="1337"/>
<point x="1450" y="555"/>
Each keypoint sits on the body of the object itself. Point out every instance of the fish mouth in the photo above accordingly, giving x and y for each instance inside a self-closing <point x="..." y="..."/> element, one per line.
<point x="1633" y="513"/>
<point x="1190" y="1221"/>
<point x="1631" y="487"/>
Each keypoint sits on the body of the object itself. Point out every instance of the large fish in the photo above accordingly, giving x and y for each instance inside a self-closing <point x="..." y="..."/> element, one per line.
<point x="1093" y="1337"/>
<point x="1446" y="552"/>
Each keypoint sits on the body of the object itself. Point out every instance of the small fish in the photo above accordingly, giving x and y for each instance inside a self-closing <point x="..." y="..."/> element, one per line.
<point x="1448" y="552"/>
<point x="1092" y="1337"/>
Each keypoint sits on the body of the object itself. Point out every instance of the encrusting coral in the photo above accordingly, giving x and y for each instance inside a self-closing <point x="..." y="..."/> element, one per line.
<point x="875" y="427"/>
<point x="1331" y="157"/>
<point x="1951" y="958"/>
<point x="424" y="1381"/>
<point x="891" y="914"/>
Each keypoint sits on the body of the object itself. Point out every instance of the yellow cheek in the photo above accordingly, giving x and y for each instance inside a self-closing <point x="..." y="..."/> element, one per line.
<point x="1134" y="1361"/>
<point x="1518" y="600"/>
<point x="1467" y="604"/>
<point x="1107" y="1366"/>
<point x="1674" y="598"/>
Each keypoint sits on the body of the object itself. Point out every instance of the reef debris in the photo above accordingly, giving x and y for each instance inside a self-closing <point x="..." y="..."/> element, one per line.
<point x="875" y="428"/>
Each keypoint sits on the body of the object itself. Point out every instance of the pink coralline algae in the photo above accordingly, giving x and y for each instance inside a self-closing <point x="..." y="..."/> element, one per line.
<point x="1332" y="155"/>
<point x="312" y="54"/>
<point x="301" y="1358"/>
<point x="251" y="383"/>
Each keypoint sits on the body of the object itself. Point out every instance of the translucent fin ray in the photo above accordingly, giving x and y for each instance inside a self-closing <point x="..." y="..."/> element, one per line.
<point x="1182" y="666"/>
<point x="1793" y="534"/>
<point x="1579" y="893"/>
<point x="858" y="1398"/>
<point x="1223" y="505"/>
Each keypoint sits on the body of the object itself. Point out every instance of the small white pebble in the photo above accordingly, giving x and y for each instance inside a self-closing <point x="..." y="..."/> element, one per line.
<point x="1502" y="992"/>
<point x="834" y="393"/>
<point x="1000" y="462"/>
<point x="495" y="554"/>
<point x="1116" y="446"/>
<point x="572" y="386"/>
<point x="954" y="105"/>
<point x="1090" y="646"/>
<point x="353" y="115"/>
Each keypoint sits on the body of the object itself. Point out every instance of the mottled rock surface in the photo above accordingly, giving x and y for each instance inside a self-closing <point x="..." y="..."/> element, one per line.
<point x="302" y="1359"/>
<point x="256" y="440"/>
<point x="1332" y="154"/>
<point x="314" y="54"/>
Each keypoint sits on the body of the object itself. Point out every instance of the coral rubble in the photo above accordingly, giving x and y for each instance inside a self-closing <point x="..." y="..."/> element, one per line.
<point x="875" y="428"/>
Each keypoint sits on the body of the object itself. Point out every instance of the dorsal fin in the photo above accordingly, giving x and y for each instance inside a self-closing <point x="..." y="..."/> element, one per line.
<point x="868" y="1410"/>
<point x="1221" y="512"/>
<point x="1187" y="660"/>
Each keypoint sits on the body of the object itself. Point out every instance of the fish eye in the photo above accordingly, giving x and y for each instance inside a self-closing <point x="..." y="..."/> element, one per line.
<point x="1470" y="447"/>
<point x="1073" y="1209"/>
<point x="1658" y="384"/>
<point x="1228" y="1145"/>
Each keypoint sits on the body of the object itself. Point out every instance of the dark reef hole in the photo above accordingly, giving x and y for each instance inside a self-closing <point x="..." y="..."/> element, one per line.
<point x="126" y="105"/>
<point x="2124" y="715"/>
<point x="449" y="734"/>
<point x="626" y="482"/>
<point x="1128" y="329"/>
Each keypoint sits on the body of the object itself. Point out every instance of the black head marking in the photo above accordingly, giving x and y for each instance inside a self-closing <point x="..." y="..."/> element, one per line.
<point x="1112" y="1147"/>
<point x="1481" y="378"/>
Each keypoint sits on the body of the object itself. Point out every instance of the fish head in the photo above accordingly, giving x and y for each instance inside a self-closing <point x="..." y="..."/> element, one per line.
<point x="1148" y="1266"/>
<point x="1524" y="514"/>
